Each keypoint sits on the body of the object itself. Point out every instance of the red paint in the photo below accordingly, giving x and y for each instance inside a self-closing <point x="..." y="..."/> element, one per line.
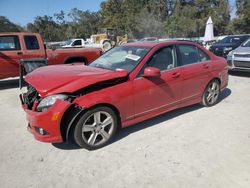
<point x="9" y="59"/>
<point x="136" y="99"/>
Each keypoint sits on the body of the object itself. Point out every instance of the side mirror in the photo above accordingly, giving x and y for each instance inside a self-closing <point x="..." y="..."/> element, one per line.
<point x="152" y="72"/>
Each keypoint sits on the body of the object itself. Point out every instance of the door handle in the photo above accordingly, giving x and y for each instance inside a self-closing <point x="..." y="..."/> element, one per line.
<point x="205" y="66"/>
<point x="19" y="53"/>
<point x="176" y="75"/>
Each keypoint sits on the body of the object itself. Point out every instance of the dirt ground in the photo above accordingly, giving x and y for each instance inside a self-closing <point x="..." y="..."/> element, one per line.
<point x="193" y="147"/>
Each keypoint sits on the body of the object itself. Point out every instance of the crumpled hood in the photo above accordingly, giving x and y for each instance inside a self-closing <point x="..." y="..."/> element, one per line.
<point x="68" y="78"/>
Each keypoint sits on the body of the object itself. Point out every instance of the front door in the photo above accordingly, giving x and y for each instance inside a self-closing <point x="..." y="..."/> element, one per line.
<point x="156" y="94"/>
<point x="10" y="53"/>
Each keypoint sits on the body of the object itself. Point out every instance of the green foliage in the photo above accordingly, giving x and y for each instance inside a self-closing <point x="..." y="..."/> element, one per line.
<point x="242" y="22"/>
<point x="48" y="28"/>
<point x="189" y="18"/>
<point x="142" y="18"/>
<point x="138" y="18"/>
<point x="82" y="25"/>
<point x="7" y="26"/>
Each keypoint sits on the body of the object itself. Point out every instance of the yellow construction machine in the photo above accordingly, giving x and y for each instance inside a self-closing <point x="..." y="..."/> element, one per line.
<point x="107" y="38"/>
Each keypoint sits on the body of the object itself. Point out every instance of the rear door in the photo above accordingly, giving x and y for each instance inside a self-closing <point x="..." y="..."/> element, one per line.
<point x="10" y="53"/>
<point x="16" y="47"/>
<point x="196" y="66"/>
<point x="33" y="46"/>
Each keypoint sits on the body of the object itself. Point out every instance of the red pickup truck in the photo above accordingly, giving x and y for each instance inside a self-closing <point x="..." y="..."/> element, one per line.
<point x="25" y="45"/>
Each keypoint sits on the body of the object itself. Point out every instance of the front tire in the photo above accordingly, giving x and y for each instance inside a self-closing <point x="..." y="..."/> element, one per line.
<point x="211" y="94"/>
<point x="96" y="128"/>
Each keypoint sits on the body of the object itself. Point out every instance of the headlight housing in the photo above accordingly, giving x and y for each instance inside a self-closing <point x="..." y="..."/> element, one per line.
<point x="49" y="101"/>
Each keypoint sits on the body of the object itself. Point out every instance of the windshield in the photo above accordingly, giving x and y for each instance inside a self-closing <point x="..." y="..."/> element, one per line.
<point x="247" y="43"/>
<point x="232" y="39"/>
<point x="121" y="57"/>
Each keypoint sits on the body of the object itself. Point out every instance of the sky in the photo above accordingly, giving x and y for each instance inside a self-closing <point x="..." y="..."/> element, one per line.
<point x="24" y="11"/>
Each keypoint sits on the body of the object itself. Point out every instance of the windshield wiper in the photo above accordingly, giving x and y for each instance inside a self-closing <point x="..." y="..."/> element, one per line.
<point x="102" y="67"/>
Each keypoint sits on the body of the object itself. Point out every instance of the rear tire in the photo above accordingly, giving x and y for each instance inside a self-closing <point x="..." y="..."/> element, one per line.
<point x="96" y="128"/>
<point x="211" y="94"/>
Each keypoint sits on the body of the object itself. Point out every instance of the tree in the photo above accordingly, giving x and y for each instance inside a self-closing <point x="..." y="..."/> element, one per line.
<point x="48" y="28"/>
<point x="7" y="26"/>
<point x="242" y="22"/>
<point x="84" y="23"/>
<point x="138" y="18"/>
<point x="189" y="17"/>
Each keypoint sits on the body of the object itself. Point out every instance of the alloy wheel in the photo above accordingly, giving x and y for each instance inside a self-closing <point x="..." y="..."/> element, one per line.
<point x="97" y="128"/>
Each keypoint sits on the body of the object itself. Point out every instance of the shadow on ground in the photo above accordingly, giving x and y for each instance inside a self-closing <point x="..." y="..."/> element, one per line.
<point x="241" y="74"/>
<point x="147" y="123"/>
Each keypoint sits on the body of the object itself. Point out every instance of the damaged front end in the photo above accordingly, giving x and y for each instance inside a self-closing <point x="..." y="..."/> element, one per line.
<point x="50" y="104"/>
<point x="44" y="121"/>
<point x="51" y="118"/>
<point x="28" y="99"/>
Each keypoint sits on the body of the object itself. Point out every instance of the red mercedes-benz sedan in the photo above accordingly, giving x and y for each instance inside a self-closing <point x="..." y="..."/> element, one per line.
<point x="128" y="84"/>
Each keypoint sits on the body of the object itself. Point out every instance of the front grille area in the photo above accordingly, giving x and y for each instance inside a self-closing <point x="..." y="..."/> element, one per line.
<point x="244" y="64"/>
<point x="30" y="97"/>
<point x="242" y="55"/>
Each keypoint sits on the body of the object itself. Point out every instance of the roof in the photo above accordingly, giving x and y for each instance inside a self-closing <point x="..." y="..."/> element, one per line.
<point x="18" y="33"/>
<point x="158" y="43"/>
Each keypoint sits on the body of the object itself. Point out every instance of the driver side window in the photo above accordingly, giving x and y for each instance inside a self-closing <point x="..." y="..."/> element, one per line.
<point x="163" y="59"/>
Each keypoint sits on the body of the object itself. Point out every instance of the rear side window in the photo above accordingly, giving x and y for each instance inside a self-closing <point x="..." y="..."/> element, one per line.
<point x="77" y="42"/>
<point x="31" y="42"/>
<point x="9" y="43"/>
<point x="190" y="54"/>
<point x="203" y="55"/>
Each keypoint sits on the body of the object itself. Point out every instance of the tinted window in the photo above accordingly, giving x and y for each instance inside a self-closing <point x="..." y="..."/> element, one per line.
<point x="203" y="55"/>
<point x="163" y="59"/>
<point x="9" y="43"/>
<point x="247" y="43"/>
<point x="31" y="42"/>
<point x="244" y="38"/>
<point x="190" y="54"/>
<point x="234" y="39"/>
<point x="77" y="42"/>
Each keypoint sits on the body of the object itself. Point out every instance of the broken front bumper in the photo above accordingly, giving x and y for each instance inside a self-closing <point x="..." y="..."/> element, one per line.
<point x="45" y="126"/>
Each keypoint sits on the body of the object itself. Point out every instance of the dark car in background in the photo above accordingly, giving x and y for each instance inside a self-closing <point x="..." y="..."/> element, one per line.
<point x="224" y="46"/>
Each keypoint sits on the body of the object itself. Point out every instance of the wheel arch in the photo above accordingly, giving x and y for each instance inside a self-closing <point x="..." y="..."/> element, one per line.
<point x="215" y="78"/>
<point x="105" y="40"/>
<point x="74" y="113"/>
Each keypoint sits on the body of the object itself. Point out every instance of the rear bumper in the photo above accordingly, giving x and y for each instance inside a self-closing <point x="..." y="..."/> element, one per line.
<point x="49" y="121"/>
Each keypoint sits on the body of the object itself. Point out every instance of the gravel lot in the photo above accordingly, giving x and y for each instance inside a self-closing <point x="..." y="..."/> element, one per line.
<point x="193" y="147"/>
